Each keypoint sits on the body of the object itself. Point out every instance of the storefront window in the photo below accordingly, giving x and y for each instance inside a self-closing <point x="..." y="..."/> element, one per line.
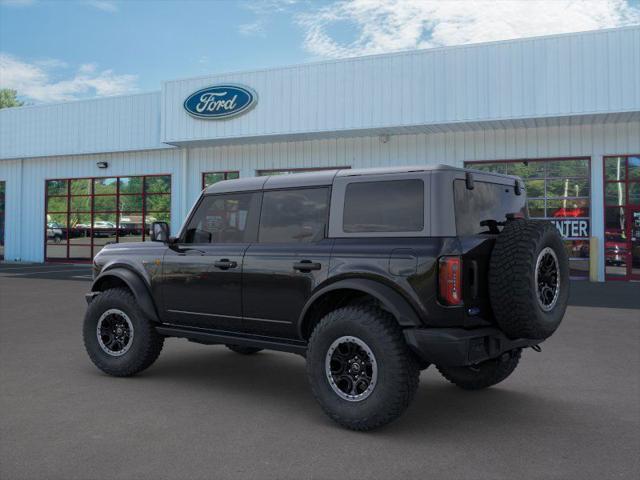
<point x="209" y="178"/>
<point x="622" y="217"/>
<point x="560" y="191"/>
<point x="85" y="214"/>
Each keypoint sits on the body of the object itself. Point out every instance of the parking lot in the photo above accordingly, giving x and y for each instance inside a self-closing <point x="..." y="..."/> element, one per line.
<point x="572" y="411"/>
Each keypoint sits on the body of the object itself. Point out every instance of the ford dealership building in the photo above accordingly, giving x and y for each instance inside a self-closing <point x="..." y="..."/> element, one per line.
<point x="561" y="111"/>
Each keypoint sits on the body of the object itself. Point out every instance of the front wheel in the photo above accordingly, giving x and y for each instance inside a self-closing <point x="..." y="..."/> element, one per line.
<point x="482" y="375"/>
<point x="119" y="339"/>
<point x="360" y="369"/>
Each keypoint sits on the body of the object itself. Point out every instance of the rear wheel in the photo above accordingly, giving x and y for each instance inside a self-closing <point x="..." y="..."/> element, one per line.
<point x="482" y="375"/>
<point x="360" y="369"/>
<point x="119" y="339"/>
<point x="242" y="349"/>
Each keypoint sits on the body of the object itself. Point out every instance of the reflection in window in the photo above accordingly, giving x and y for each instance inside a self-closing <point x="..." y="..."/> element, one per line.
<point x="614" y="193"/>
<point x="224" y="219"/>
<point x="570" y="208"/>
<point x="615" y="168"/>
<point x="294" y="216"/>
<point x="634" y="193"/>
<point x="558" y="190"/>
<point x="80" y="187"/>
<point x="536" y="208"/>
<point x="131" y="185"/>
<point x="103" y="186"/>
<point x="555" y="188"/>
<point x="209" y="178"/>
<point x="84" y="214"/>
<point x="633" y="167"/>
<point x="157" y="184"/>
<point x="486" y="202"/>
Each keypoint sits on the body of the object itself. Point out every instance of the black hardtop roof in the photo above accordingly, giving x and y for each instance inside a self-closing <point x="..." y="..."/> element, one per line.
<point x="325" y="177"/>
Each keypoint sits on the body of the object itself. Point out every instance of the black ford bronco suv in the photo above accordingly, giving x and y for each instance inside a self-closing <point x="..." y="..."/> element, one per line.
<point x="372" y="275"/>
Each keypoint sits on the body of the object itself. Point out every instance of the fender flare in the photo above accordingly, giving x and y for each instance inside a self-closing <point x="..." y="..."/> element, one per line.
<point x="395" y="303"/>
<point x="137" y="286"/>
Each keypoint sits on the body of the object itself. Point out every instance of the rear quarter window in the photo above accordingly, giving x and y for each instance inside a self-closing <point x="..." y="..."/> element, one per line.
<point x="384" y="206"/>
<point x="487" y="201"/>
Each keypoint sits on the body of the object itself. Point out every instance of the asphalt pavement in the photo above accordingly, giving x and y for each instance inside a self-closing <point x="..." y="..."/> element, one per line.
<point x="203" y="412"/>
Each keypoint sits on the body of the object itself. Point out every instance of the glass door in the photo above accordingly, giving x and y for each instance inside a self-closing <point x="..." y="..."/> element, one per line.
<point x="622" y="217"/>
<point x="634" y="247"/>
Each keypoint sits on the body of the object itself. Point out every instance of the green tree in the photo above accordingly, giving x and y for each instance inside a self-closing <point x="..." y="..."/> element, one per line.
<point x="8" y="98"/>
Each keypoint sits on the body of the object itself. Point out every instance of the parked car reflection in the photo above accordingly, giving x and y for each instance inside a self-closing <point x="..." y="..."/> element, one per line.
<point x="54" y="232"/>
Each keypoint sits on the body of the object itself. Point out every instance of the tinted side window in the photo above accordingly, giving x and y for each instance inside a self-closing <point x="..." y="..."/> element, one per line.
<point x="294" y="216"/>
<point x="231" y="218"/>
<point x="384" y="206"/>
<point x="487" y="201"/>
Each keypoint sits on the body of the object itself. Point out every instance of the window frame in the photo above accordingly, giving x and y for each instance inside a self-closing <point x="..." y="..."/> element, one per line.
<point x="627" y="208"/>
<point x="183" y="231"/>
<point x="545" y="199"/>
<point x="336" y="212"/>
<point x="325" y="235"/>
<point x="94" y="247"/>
<point x="226" y="174"/>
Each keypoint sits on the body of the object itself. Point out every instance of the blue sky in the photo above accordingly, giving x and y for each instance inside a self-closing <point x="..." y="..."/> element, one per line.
<point x="63" y="50"/>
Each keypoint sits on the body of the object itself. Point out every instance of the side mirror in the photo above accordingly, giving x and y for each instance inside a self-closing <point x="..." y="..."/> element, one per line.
<point x="160" y="232"/>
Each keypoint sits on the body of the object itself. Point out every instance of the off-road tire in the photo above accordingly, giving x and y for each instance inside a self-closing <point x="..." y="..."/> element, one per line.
<point x="243" y="350"/>
<point x="397" y="367"/>
<point x="512" y="287"/>
<point x="146" y="344"/>
<point x="483" y="375"/>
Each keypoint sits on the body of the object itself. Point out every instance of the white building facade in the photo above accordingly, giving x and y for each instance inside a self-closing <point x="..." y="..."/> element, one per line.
<point x="561" y="111"/>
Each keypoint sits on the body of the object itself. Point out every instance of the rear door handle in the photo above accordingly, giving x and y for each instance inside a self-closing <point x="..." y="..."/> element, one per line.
<point x="306" y="266"/>
<point x="225" y="264"/>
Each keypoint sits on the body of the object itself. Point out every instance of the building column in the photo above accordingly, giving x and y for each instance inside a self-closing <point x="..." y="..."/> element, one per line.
<point x="597" y="215"/>
<point x="247" y="173"/>
<point x="18" y="239"/>
<point x="179" y="213"/>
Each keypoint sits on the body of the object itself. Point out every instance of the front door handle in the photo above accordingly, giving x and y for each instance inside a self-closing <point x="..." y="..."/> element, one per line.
<point x="306" y="266"/>
<point x="225" y="264"/>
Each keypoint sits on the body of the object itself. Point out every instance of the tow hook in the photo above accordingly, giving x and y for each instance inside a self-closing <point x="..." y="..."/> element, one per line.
<point x="536" y="348"/>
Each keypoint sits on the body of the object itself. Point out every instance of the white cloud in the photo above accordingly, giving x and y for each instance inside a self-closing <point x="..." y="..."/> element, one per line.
<point x="36" y="81"/>
<point x="269" y="6"/>
<point x="104" y="5"/>
<point x="51" y="63"/>
<point x="390" y="25"/>
<point x="252" y="29"/>
<point x="87" y="68"/>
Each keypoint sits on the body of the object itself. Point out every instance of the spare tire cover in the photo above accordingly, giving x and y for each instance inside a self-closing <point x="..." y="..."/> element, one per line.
<point x="529" y="279"/>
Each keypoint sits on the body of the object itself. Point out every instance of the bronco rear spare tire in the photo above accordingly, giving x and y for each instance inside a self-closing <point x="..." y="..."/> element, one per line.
<point x="529" y="279"/>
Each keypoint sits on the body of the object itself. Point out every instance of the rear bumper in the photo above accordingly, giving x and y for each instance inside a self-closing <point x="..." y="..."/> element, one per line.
<point x="459" y="347"/>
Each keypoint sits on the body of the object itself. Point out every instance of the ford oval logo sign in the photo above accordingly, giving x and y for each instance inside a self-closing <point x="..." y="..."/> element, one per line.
<point x="220" y="101"/>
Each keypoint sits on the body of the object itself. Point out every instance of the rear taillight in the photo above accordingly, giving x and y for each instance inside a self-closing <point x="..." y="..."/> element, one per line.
<point x="450" y="280"/>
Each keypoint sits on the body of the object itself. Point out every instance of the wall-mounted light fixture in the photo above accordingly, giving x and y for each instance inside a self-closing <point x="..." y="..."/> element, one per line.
<point x="102" y="164"/>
